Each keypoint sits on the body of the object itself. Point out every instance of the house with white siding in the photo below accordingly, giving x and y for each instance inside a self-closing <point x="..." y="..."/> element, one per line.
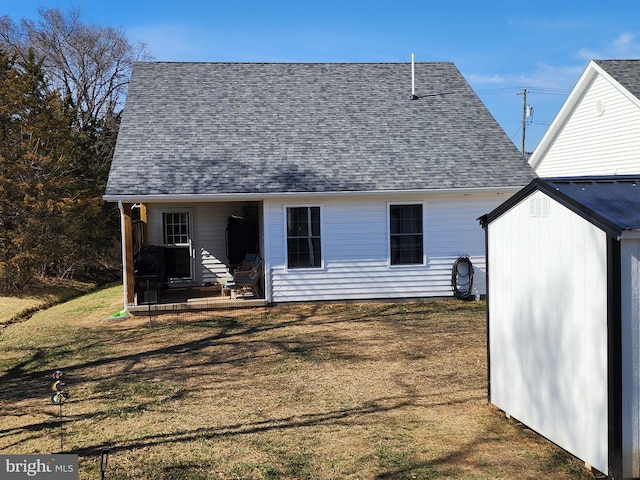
<point x="347" y="180"/>
<point x="563" y="261"/>
<point x="596" y="130"/>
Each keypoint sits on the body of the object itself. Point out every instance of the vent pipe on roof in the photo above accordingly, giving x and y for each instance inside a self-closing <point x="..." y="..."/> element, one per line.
<point x="413" y="78"/>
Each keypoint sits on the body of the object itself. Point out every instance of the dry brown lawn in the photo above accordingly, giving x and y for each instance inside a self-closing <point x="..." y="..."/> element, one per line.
<point x="354" y="391"/>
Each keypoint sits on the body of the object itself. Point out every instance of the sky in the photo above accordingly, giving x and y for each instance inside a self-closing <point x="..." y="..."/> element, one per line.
<point x="501" y="47"/>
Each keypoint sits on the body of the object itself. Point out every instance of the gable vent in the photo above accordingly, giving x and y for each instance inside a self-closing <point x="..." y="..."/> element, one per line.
<point x="539" y="207"/>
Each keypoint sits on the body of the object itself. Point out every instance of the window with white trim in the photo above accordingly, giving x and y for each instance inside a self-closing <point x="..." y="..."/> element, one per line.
<point x="176" y="228"/>
<point x="303" y="237"/>
<point x="406" y="238"/>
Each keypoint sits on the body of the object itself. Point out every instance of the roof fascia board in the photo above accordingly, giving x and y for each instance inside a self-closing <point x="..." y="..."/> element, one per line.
<point x="564" y="114"/>
<point x="173" y="198"/>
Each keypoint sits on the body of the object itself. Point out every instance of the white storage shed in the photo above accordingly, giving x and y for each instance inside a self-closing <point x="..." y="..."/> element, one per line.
<point x="563" y="278"/>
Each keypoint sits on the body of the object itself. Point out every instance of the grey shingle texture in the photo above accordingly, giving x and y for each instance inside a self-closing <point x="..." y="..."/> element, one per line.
<point x="627" y="72"/>
<point x="266" y="128"/>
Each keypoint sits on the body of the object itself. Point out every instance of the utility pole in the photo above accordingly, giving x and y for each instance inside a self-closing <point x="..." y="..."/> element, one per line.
<point x="524" y="117"/>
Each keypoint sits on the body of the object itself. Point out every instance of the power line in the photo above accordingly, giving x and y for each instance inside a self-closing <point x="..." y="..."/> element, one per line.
<point x="512" y="90"/>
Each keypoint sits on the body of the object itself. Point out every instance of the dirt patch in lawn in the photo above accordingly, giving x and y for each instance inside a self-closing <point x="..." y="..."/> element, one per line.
<point x="357" y="391"/>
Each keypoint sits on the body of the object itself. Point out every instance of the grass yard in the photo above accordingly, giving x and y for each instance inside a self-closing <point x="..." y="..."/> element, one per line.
<point x="354" y="391"/>
<point x="51" y="292"/>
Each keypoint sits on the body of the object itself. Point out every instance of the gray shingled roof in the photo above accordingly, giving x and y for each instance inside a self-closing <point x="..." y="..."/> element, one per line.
<point x="627" y="72"/>
<point x="264" y="128"/>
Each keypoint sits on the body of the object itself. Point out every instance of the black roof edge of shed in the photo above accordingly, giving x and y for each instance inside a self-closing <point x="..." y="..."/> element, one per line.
<point x="547" y="186"/>
<point x="487" y="218"/>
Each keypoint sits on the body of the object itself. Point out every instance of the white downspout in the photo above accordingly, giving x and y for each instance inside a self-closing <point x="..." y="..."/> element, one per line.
<point x="124" y="256"/>
<point x="266" y="252"/>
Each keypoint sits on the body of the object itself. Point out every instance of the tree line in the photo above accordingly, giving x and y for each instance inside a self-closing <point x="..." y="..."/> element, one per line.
<point x="62" y="88"/>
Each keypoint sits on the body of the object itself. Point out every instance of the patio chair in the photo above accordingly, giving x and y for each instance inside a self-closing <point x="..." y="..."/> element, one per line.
<point x="248" y="276"/>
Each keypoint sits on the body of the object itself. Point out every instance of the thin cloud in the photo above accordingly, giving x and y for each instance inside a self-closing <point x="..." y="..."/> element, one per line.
<point x="553" y="77"/>
<point x="561" y="77"/>
<point x="625" y="45"/>
<point x="481" y="79"/>
<point x="544" y="76"/>
<point x="624" y="41"/>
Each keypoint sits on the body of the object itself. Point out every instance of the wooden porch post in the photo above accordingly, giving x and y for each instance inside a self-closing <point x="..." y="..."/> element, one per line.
<point x="127" y="254"/>
<point x="143" y="219"/>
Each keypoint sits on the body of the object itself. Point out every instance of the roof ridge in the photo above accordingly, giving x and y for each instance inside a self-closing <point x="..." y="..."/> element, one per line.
<point x="205" y="62"/>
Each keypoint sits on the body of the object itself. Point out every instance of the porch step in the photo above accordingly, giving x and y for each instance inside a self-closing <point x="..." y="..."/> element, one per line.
<point x="197" y="304"/>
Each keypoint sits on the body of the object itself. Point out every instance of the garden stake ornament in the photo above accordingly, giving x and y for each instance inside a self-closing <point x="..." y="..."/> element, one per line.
<point x="59" y="386"/>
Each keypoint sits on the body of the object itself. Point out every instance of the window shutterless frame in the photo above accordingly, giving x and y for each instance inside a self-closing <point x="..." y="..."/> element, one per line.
<point x="406" y="233"/>
<point x="303" y="236"/>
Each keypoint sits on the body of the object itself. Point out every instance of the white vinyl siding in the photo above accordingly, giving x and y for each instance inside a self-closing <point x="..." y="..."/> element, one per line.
<point x="355" y="246"/>
<point x="355" y="249"/>
<point x="209" y="236"/>
<point x="599" y="138"/>
<point x="211" y="247"/>
<point x="548" y="326"/>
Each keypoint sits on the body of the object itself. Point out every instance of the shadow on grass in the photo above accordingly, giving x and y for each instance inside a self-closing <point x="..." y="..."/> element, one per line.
<point x="334" y="417"/>
<point x="446" y="466"/>
<point x="262" y="342"/>
<point x="25" y="380"/>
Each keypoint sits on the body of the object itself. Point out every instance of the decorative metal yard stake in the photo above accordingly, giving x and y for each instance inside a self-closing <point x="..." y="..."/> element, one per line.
<point x="59" y="386"/>
<point x="104" y="458"/>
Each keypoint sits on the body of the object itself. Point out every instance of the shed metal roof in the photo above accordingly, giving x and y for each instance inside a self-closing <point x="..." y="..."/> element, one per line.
<point x="266" y="128"/>
<point x="610" y="202"/>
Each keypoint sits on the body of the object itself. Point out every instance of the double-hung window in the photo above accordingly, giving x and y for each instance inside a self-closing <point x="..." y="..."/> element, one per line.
<point x="303" y="237"/>
<point x="406" y="234"/>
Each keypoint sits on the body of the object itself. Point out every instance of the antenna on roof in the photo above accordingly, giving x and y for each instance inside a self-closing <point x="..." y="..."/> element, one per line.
<point x="413" y="78"/>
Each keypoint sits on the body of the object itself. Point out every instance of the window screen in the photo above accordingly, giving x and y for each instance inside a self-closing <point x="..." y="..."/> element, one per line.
<point x="406" y="235"/>
<point x="303" y="237"/>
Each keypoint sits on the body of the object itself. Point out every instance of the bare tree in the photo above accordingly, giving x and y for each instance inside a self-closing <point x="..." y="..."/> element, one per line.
<point x="91" y="64"/>
<point x="86" y="67"/>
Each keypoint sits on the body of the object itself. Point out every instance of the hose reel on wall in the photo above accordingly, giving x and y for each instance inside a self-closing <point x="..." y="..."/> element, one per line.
<point x="462" y="278"/>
